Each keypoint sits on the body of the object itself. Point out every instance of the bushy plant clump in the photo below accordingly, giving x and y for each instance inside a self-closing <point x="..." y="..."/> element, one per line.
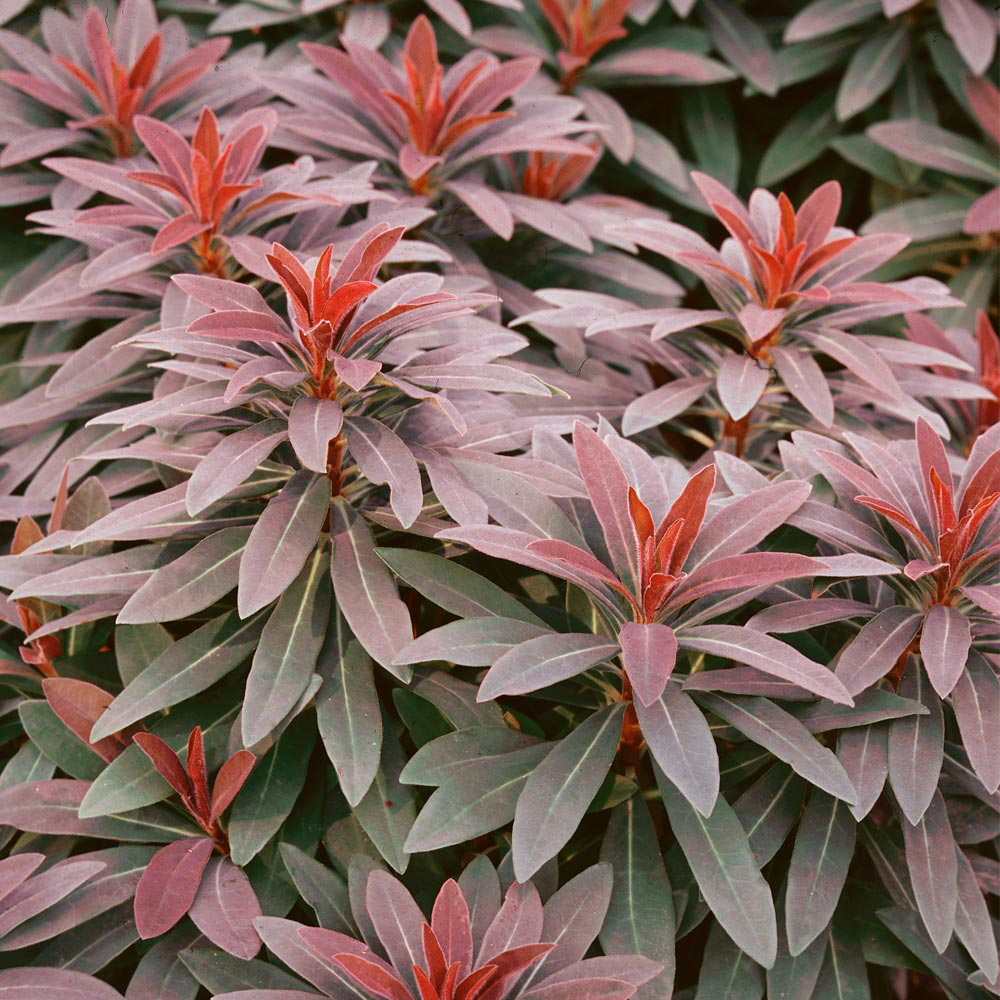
<point x="500" y="501"/>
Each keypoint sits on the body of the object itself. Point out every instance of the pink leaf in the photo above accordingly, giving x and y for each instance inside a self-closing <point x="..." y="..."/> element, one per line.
<point x="649" y="652"/>
<point x="312" y="425"/>
<point x="944" y="647"/>
<point x="225" y="908"/>
<point x="741" y="382"/>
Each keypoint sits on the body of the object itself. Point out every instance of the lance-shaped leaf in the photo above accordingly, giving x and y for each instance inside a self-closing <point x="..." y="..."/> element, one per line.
<point x="38" y="982"/>
<point x="607" y="488"/>
<point x="312" y="424"/>
<point x="366" y="592"/>
<point x="916" y="747"/>
<point x="877" y="647"/>
<point x="781" y="733"/>
<point x="769" y="809"/>
<point x="281" y="540"/>
<point x="287" y="652"/>
<point x="203" y="575"/>
<point x="383" y="458"/>
<point x="719" y="855"/>
<point x="824" y="846"/>
<point x="231" y="462"/>
<point x="864" y="755"/>
<point x="320" y="887"/>
<point x="270" y="792"/>
<point x="347" y="711"/>
<point x="454" y="587"/>
<point x="169" y="885"/>
<point x="973" y="925"/>
<point x="478" y="797"/>
<point x="944" y="647"/>
<point x="933" y="868"/>
<point x="976" y="700"/>
<point x="728" y="972"/>
<point x="561" y="788"/>
<point x="186" y="668"/>
<point x="228" y="782"/>
<point x="640" y="917"/>
<point x="225" y="908"/>
<point x="649" y="652"/>
<point x="765" y="653"/>
<point x="545" y="660"/>
<point x="79" y="704"/>
<point x="680" y="740"/>
<point x="476" y="642"/>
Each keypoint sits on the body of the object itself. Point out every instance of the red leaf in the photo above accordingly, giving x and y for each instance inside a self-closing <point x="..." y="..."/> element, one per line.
<point x="372" y="977"/>
<point x="225" y="908"/>
<point x="690" y="506"/>
<point x="229" y="781"/>
<point x="169" y="765"/>
<point x="79" y="705"/>
<point x="169" y="885"/>
<point x="196" y="769"/>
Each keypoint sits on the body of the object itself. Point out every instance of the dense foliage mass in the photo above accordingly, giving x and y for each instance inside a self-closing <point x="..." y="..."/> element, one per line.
<point x="500" y="500"/>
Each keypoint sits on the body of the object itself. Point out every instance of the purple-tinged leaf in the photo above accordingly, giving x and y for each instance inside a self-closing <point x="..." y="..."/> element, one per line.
<point x="169" y="884"/>
<point x="38" y="983"/>
<point x="681" y="743"/>
<point x="225" y="908"/>
<point x="231" y="462"/>
<point x="15" y="869"/>
<point x="765" y="653"/>
<point x="640" y="918"/>
<point x="743" y="572"/>
<point x="42" y="891"/>
<point x="586" y="989"/>
<point x="864" y="755"/>
<point x="52" y="806"/>
<point x="649" y="652"/>
<point x="542" y="661"/>
<point x="186" y="668"/>
<point x="805" y="380"/>
<point x="286" y="655"/>
<point x="730" y="881"/>
<point x="933" y="867"/>
<point x="824" y="847"/>
<point x="191" y="583"/>
<point x="451" y="925"/>
<point x="931" y="146"/>
<point x="743" y="43"/>
<point x="169" y="767"/>
<point x="663" y="404"/>
<point x="477" y="642"/>
<point x="366" y="592"/>
<point x="973" y="925"/>
<point x="517" y="923"/>
<point x="741" y="382"/>
<point x="320" y="888"/>
<point x="876" y="648"/>
<point x="744" y="680"/>
<point x="769" y="809"/>
<point x="781" y="733"/>
<point x="281" y="540"/>
<point x="944" y="647"/>
<point x="312" y="425"/>
<point x="607" y="488"/>
<point x="631" y="969"/>
<point x="561" y="788"/>
<point x="972" y="30"/>
<point x="398" y="922"/>
<point x="976" y="701"/>
<point x="79" y="704"/>
<point x="384" y="458"/>
<point x="916" y="747"/>
<point x="802" y="614"/>
<point x="748" y="520"/>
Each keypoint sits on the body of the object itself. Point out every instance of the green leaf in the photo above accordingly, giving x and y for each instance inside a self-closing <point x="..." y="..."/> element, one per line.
<point x="422" y="718"/>
<point x="270" y="792"/>
<point x="452" y="586"/>
<point x="347" y="710"/>
<point x="476" y="797"/>
<point x="719" y="854"/>
<point x="824" y="847"/>
<point x="49" y="733"/>
<point x="186" y="668"/>
<point x="438" y="761"/>
<point x="874" y="66"/>
<point x="803" y="139"/>
<point x="640" y="918"/>
<point x="726" y="972"/>
<point x="557" y="794"/>
<point x="769" y="809"/>
<point x="387" y="811"/>
<point x="286" y="654"/>
<point x="194" y="581"/>
<point x="137" y="646"/>
<point x="321" y="888"/>
<point x="222" y="973"/>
